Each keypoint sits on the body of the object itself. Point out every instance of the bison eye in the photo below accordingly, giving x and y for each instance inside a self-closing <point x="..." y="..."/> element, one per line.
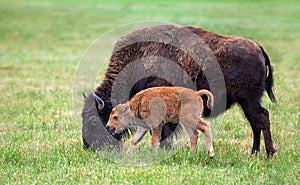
<point x="115" y="117"/>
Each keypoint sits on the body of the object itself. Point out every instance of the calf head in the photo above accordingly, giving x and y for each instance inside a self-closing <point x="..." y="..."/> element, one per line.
<point x="118" y="118"/>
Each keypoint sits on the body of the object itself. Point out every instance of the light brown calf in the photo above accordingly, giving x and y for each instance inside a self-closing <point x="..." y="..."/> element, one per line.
<point x="151" y="108"/>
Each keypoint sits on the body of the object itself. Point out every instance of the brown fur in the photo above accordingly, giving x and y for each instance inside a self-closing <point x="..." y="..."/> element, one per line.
<point x="153" y="107"/>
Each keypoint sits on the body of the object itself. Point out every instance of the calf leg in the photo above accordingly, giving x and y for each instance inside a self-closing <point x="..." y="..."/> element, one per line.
<point x="193" y="134"/>
<point x="259" y="120"/>
<point x="155" y="137"/>
<point x="205" y="128"/>
<point x="138" y="136"/>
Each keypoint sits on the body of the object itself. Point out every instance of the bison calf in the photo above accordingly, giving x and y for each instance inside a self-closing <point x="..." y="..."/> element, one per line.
<point x="153" y="107"/>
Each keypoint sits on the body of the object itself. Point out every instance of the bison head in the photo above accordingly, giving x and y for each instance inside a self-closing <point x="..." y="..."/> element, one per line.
<point x="95" y="115"/>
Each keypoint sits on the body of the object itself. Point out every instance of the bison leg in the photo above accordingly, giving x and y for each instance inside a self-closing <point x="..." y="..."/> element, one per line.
<point x="169" y="130"/>
<point x="256" y="138"/>
<point x="193" y="134"/>
<point x="259" y="120"/>
<point x="205" y="128"/>
<point x="138" y="136"/>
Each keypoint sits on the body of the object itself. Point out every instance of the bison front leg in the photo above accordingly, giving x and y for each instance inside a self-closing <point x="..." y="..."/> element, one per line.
<point x="138" y="136"/>
<point x="259" y="120"/>
<point x="168" y="132"/>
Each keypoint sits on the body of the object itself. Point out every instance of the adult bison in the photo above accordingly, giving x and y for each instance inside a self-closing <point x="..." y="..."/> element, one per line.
<point x="245" y="69"/>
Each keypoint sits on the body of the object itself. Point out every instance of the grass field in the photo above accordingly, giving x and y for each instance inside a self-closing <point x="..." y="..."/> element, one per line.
<point x="41" y="44"/>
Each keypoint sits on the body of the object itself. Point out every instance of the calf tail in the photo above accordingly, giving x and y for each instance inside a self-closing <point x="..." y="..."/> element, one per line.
<point x="210" y="101"/>
<point x="269" y="80"/>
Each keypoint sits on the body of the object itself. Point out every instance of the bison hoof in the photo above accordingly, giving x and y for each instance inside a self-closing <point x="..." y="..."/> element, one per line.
<point x="271" y="152"/>
<point x="255" y="152"/>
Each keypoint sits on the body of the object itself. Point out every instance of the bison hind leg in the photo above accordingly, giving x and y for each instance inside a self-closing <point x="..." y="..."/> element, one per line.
<point x="259" y="121"/>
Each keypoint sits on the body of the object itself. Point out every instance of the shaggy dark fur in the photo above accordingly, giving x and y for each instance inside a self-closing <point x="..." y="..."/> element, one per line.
<point x="245" y="65"/>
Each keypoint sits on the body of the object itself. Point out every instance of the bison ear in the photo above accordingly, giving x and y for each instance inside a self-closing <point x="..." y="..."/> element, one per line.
<point x="99" y="100"/>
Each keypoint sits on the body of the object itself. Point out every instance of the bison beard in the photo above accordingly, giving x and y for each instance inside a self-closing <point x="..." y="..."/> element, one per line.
<point x="245" y="65"/>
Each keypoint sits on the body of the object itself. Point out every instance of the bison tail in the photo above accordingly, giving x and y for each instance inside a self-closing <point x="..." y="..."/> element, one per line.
<point x="210" y="101"/>
<point x="269" y="80"/>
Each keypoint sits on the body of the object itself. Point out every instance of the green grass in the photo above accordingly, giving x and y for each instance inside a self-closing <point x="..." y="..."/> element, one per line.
<point x="41" y="44"/>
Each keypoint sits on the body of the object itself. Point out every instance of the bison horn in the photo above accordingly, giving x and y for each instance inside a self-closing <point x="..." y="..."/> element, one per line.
<point x="84" y="96"/>
<point x="99" y="100"/>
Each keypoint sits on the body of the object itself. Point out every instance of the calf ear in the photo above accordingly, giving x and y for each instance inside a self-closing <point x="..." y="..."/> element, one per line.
<point x="126" y="109"/>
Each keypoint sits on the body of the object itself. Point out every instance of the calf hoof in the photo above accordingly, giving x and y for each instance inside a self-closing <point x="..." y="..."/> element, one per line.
<point x="211" y="154"/>
<point x="192" y="150"/>
<point x="129" y="150"/>
<point x="154" y="147"/>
